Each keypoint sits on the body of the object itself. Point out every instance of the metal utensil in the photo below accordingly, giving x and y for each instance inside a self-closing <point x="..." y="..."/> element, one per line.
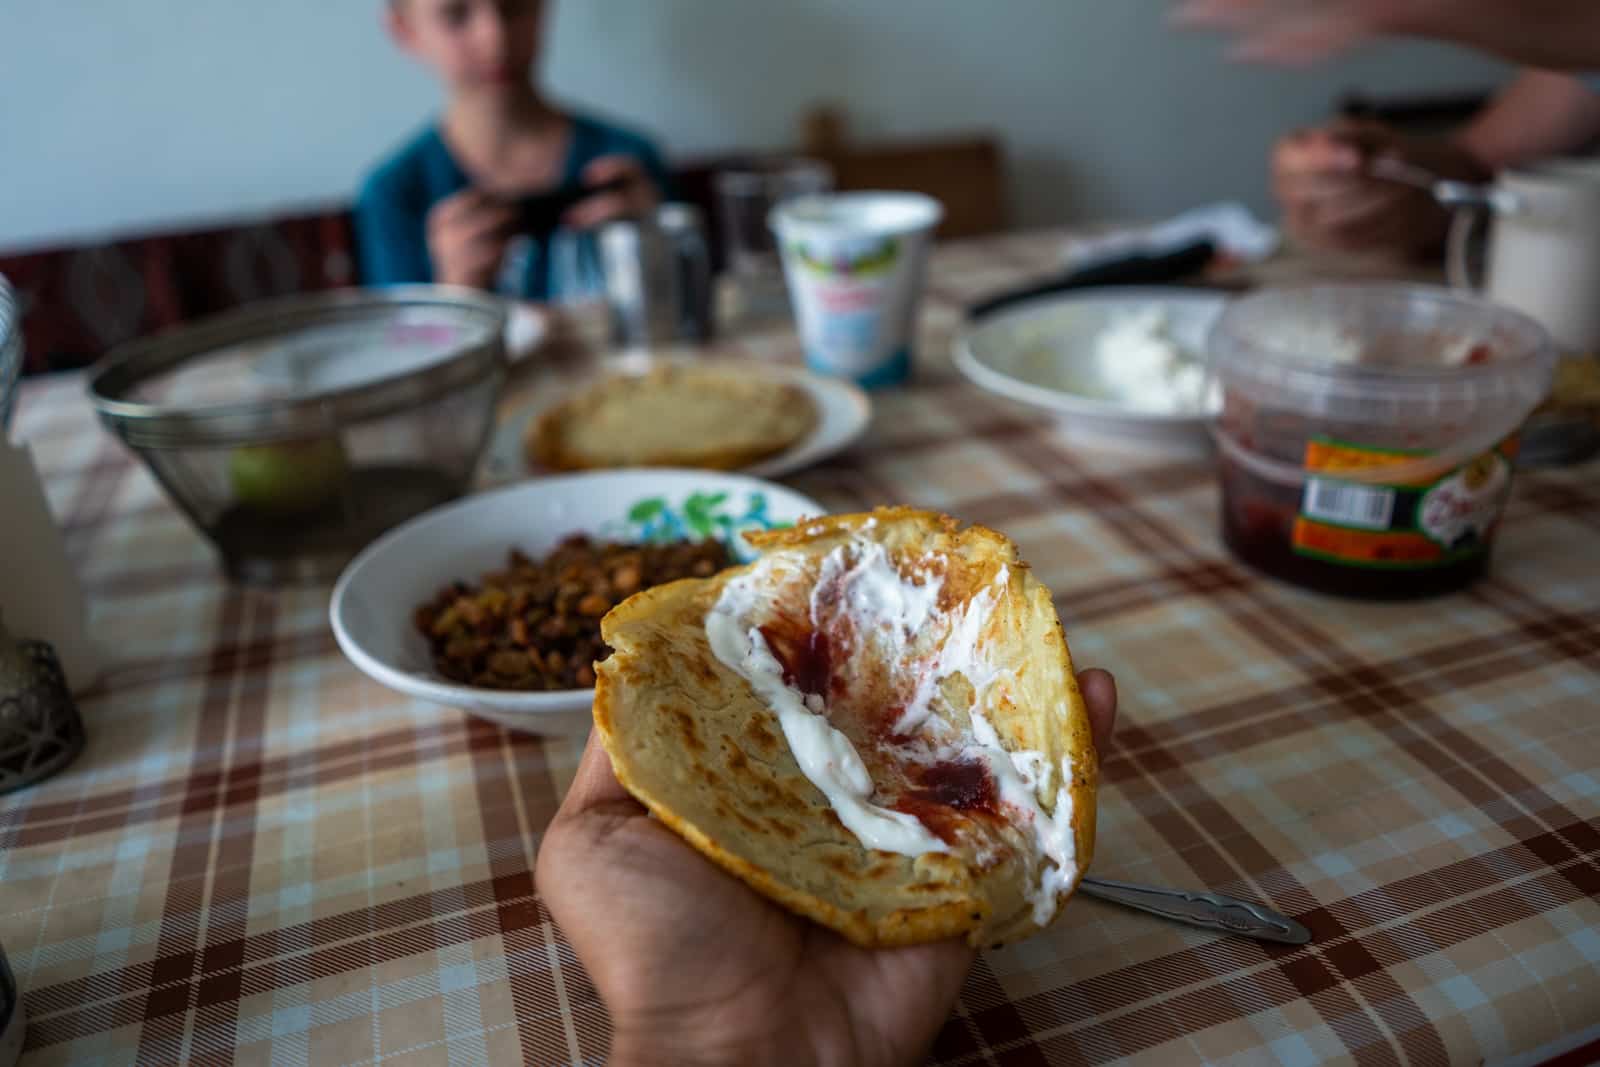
<point x="1209" y="910"/>
<point x="40" y="728"/>
<point x="1448" y="193"/>
<point x="294" y="432"/>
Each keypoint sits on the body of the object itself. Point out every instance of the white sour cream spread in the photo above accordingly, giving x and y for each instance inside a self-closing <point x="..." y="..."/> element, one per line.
<point x="1145" y="368"/>
<point x="826" y="756"/>
<point x="860" y="581"/>
<point x="1019" y="775"/>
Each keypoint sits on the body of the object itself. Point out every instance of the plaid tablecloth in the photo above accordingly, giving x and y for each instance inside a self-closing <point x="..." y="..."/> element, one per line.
<point x="264" y="858"/>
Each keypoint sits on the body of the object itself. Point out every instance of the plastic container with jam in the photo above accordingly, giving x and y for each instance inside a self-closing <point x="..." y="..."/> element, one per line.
<point x="1368" y="433"/>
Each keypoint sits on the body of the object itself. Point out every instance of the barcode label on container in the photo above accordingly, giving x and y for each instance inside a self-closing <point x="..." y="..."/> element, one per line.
<point x="1368" y="507"/>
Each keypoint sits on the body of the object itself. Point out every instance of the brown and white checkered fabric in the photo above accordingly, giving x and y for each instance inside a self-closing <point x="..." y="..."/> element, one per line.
<point x="263" y="858"/>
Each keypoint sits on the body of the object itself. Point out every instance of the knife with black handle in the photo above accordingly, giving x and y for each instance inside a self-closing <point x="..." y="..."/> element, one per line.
<point x="1167" y="268"/>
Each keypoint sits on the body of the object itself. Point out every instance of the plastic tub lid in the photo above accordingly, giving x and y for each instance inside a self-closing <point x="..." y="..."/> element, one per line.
<point x="1385" y="355"/>
<point x="1360" y="350"/>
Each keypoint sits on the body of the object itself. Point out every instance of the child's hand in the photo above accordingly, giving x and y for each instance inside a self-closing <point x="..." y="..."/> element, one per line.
<point x="637" y="196"/>
<point x="467" y="237"/>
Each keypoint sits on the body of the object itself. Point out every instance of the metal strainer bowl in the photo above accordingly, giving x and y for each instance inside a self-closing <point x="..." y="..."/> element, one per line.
<point x="294" y="432"/>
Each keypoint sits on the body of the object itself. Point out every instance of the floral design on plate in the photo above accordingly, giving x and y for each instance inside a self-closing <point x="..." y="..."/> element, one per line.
<point x="700" y="515"/>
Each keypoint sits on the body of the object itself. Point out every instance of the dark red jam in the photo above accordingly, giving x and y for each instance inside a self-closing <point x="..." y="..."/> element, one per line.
<point x="805" y="654"/>
<point x="947" y="794"/>
<point x="943" y="795"/>
<point x="1258" y="526"/>
<point x="965" y="785"/>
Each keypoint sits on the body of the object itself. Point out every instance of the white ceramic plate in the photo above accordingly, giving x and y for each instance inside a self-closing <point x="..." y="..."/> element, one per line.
<point x="843" y="408"/>
<point x="377" y="594"/>
<point x="1042" y="353"/>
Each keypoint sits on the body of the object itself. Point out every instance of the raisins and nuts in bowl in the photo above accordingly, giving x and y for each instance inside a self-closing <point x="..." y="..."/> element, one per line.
<point x="493" y="604"/>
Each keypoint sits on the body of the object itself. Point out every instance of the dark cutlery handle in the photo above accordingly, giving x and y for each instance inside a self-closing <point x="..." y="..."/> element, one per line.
<point x="1169" y="267"/>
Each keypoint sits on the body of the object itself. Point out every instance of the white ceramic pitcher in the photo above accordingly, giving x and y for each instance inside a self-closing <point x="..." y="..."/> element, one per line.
<point x="1544" y="248"/>
<point x="1543" y="260"/>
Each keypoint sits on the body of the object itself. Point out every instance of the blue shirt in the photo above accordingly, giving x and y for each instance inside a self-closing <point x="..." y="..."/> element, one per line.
<point x="392" y="212"/>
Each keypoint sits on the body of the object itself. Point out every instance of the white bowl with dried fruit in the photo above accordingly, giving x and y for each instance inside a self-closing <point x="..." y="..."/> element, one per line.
<point x="492" y="604"/>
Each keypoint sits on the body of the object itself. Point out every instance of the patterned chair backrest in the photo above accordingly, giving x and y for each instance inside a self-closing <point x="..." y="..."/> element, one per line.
<point x="79" y="302"/>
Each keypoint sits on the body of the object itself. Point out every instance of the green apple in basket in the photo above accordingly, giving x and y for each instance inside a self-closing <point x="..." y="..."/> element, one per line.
<point x="289" y="479"/>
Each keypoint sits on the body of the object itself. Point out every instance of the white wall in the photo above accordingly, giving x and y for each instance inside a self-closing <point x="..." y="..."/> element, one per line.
<point x="120" y="115"/>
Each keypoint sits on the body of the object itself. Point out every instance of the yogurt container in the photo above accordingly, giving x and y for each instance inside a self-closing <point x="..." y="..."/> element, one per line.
<point x="1368" y="433"/>
<point x="855" y="265"/>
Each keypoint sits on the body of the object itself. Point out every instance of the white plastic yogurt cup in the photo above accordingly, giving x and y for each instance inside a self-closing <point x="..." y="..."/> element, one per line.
<point x="855" y="264"/>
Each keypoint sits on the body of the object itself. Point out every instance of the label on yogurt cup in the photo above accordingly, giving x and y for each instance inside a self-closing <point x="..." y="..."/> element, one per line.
<point x="855" y="265"/>
<point x="846" y="304"/>
<point x="1402" y="526"/>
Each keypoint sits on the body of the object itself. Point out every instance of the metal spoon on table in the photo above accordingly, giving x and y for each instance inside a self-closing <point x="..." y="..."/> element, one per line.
<point x="1209" y="910"/>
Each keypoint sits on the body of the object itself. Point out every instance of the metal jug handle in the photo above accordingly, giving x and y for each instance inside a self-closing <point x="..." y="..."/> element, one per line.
<point x="1464" y="224"/>
<point x="694" y="265"/>
<point x="1470" y="205"/>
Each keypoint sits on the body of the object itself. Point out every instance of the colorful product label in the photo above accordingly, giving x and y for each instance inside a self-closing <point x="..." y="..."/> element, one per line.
<point x="855" y="298"/>
<point x="1399" y="526"/>
<point x="867" y="261"/>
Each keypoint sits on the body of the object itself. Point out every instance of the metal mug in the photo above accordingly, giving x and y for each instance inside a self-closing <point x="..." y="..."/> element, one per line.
<point x="658" y="278"/>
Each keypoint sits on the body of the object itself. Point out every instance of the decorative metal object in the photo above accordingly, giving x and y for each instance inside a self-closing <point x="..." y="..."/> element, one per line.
<point x="12" y="1019"/>
<point x="40" y="728"/>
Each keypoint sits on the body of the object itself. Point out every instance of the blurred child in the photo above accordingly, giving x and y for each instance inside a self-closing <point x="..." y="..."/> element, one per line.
<point x="444" y="207"/>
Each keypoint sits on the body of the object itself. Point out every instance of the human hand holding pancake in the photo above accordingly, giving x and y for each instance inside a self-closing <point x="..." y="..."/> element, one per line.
<point x="691" y="961"/>
<point x="695" y="966"/>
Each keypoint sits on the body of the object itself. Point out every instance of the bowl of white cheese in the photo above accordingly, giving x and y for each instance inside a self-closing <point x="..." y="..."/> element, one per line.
<point x="1119" y="367"/>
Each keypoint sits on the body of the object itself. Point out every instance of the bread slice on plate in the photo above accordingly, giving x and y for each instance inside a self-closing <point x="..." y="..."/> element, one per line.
<point x="876" y="725"/>
<point x="676" y="416"/>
